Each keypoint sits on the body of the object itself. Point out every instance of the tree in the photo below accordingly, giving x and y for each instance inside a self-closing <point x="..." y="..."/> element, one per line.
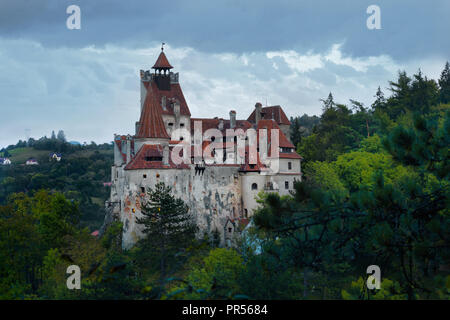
<point x="215" y="278"/>
<point x="380" y="101"/>
<point x="400" y="99"/>
<point x="53" y="136"/>
<point x="401" y="226"/>
<point x="61" y="136"/>
<point x="329" y="102"/>
<point x="168" y="226"/>
<point x="296" y="133"/>
<point x="444" y="84"/>
<point x="424" y="93"/>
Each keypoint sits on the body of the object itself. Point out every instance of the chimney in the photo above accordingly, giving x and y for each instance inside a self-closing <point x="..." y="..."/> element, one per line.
<point x="137" y="126"/>
<point x="166" y="154"/>
<point x="176" y="111"/>
<point x="128" y="150"/>
<point x="220" y="124"/>
<point x="232" y="119"/>
<point x="164" y="102"/>
<point x="258" y="111"/>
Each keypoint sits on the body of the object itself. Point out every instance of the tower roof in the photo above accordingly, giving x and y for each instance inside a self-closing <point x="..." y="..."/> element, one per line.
<point x="274" y="112"/>
<point x="162" y="62"/>
<point x="151" y="122"/>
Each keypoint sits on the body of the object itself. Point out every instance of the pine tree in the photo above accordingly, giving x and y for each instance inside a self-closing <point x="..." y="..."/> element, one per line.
<point x="53" y="137"/>
<point x="444" y="84"/>
<point x="380" y="101"/>
<point x="329" y="102"/>
<point x="296" y="131"/>
<point x="400" y="100"/>
<point x="61" y="136"/>
<point x="424" y="93"/>
<point x="168" y="226"/>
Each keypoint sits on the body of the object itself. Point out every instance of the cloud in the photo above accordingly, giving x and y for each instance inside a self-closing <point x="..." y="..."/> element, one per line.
<point x="93" y="92"/>
<point x="410" y="28"/>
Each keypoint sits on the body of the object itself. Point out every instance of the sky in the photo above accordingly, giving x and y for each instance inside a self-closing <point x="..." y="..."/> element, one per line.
<point x="230" y="54"/>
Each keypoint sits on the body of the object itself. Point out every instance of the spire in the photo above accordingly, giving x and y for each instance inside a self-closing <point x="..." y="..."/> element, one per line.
<point x="162" y="62"/>
<point x="151" y="123"/>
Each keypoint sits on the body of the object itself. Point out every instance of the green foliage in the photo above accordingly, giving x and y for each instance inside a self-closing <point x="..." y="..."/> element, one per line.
<point x="389" y="290"/>
<point x="168" y="227"/>
<point x="357" y="169"/>
<point x="324" y="176"/>
<point x="79" y="175"/>
<point x="217" y="276"/>
<point x="444" y="84"/>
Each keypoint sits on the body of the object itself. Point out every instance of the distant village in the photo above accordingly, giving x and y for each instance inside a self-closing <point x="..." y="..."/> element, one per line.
<point x="54" y="156"/>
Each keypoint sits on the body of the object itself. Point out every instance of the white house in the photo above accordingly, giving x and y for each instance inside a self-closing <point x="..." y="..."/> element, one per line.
<point x="55" y="156"/>
<point x="5" y="161"/>
<point x="31" y="162"/>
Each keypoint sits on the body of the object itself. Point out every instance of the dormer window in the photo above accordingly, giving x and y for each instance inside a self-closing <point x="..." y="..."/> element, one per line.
<point x="182" y="125"/>
<point x="153" y="158"/>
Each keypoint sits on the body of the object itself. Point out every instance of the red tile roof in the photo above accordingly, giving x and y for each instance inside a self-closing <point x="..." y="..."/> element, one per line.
<point x="271" y="124"/>
<point x="148" y="150"/>
<point x="173" y="94"/>
<point x="292" y="155"/>
<point x="274" y="112"/>
<point x="151" y="123"/>
<point x="214" y="124"/>
<point x="162" y="62"/>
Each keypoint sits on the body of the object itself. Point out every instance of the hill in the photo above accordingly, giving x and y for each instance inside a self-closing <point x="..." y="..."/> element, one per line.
<point x="79" y="175"/>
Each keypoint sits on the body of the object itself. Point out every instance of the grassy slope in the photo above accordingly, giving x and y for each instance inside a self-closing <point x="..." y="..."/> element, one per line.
<point x="21" y="155"/>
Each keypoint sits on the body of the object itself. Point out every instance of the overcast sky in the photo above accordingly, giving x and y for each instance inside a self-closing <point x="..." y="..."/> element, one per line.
<point x="230" y="54"/>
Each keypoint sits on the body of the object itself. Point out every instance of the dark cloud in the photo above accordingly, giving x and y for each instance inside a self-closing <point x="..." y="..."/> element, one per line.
<point x="410" y="28"/>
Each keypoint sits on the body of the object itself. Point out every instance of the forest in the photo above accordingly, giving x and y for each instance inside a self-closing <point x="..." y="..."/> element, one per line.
<point x="375" y="191"/>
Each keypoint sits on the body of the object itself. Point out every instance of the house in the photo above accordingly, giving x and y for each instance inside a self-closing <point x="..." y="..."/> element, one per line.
<point x="31" y="162"/>
<point x="216" y="166"/>
<point x="55" y="156"/>
<point x="5" y="161"/>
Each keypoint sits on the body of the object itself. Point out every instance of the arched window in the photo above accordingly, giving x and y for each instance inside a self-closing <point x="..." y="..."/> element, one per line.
<point x="254" y="186"/>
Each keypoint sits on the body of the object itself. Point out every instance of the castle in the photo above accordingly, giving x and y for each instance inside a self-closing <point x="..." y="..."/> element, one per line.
<point x="217" y="166"/>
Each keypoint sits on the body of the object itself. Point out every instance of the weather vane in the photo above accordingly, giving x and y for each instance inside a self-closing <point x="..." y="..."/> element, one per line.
<point x="162" y="46"/>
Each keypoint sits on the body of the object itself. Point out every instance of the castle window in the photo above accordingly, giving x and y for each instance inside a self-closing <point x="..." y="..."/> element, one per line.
<point x="144" y="176"/>
<point x="229" y="230"/>
<point x="153" y="158"/>
<point x="170" y="124"/>
<point x="286" y="150"/>
<point x="181" y="124"/>
<point x="142" y="189"/>
<point x="290" y="165"/>
<point x="254" y="186"/>
<point x="286" y="184"/>
<point x="213" y="138"/>
<point x="181" y="138"/>
<point x="245" y="213"/>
